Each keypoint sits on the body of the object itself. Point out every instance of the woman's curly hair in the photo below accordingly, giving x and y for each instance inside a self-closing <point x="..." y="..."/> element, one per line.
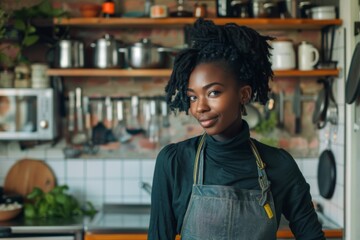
<point x="241" y="49"/>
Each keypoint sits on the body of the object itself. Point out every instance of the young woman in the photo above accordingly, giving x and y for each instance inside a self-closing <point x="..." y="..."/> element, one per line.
<point x="225" y="185"/>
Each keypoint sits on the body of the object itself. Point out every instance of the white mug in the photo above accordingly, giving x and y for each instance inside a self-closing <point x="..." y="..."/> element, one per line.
<point x="282" y="55"/>
<point x="308" y="56"/>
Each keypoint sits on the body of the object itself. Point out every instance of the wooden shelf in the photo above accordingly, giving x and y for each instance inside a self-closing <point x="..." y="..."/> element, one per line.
<point x="90" y="72"/>
<point x="258" y="23"/>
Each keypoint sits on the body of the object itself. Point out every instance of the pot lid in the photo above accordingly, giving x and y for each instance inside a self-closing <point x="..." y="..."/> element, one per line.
<point x="145" y="42"/>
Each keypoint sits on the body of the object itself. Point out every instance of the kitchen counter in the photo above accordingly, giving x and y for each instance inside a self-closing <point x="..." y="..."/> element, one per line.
<point x="125" y="218"/>
<point x="135" y="219"/>
<point x="52" y="225"/>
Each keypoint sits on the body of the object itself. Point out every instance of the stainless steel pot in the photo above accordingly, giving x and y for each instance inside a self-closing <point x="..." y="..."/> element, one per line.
<point x="106" y="53"/>
<point x="69" y="54"/>
<point x="145" y="54"/>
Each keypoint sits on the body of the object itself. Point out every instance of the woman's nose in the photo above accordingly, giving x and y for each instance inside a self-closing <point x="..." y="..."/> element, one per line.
<point x="202" y="105"/>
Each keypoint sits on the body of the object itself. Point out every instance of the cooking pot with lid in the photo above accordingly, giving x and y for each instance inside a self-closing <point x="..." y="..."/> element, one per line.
<point x="145" y="54"/>
<point x="106" y="52"/>
<point x="67" y="53"/>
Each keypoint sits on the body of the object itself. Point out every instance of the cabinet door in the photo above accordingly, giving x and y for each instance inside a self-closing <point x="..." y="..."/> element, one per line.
<point x="115" y="236"/>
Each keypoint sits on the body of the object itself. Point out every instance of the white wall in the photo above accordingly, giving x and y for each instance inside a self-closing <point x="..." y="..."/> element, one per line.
<point x="349" y="12"/>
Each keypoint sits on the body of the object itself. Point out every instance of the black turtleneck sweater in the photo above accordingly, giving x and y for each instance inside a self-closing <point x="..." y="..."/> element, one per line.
<point x="229" y="163"/>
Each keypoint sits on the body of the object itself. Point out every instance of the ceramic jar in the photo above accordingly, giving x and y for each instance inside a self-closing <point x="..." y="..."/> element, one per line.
<point x="283" y="55"/>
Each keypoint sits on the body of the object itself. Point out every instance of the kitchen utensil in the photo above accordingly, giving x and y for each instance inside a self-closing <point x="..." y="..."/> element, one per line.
<point x="119" y="130"/>
<point x="326" y="108"/>
<point x="258" y="8"/>
<point x="304" y="10"/>
<point x="280" y="109"/>
<point x="326" y="174"/>
<point x="26" y="174"/>
<point x="80" y="136"/>
<point x="297" y="108"/>
<point x="100" y="133"/>
<point x="253" y="117"/>
<point x="271" y="10"/>
<point x="308" y="56"/>
<point x="68" y="54"/>
<point x="321" y="105"/>
<point x="107" y="54"/>
<point x="71" y="117"/>
<point x="181" y="9"/>
<point x="133" y="125"/>
<point x="145" y="54"/>
<point x="326" y="61"/>
<point x="353" y="79"/>
<point x="154" y="124"/>
<point x="323" y="12"/>
<point x="282" y="54"/>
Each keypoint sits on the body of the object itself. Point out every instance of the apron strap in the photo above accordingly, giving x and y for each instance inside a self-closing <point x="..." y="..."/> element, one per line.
<point x="199" y="150"/>
<point x="263" y="179"/>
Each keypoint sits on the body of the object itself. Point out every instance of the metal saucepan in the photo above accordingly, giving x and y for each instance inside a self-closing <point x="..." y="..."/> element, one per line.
<point x="67" y="53"/>
<point x="106" y="53"/>
<point x="145" y="54"/>
<point x="326" y="174"/>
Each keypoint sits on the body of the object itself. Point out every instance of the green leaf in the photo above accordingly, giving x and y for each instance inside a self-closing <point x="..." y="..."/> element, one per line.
<point x="30" y="40"/>
<point x="60" y="198"/>
<point x="36" y="192"/>
<point x="29" y="211"/>
<point x="31" y="29"/>
<point x="20" y="25"/>
<point x="50" y="199"/>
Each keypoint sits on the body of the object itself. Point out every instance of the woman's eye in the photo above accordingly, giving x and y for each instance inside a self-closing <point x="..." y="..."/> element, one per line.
<point x="214" y="93"/>
<point x="192" y="98"/>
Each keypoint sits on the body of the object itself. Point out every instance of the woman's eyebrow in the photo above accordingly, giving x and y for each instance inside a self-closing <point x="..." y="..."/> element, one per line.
<point x="206" y="86"/>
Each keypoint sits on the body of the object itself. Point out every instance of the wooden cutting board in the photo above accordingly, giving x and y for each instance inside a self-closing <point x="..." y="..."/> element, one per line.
<point x="26" y="174"/>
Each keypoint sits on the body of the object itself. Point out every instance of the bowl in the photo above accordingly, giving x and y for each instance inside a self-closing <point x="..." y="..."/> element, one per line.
<point x="90" y="10"/>
<point x="6" y="215"/>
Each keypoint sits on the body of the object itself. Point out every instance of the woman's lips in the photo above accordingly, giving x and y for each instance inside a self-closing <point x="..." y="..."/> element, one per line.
<point x="208" y="122"/>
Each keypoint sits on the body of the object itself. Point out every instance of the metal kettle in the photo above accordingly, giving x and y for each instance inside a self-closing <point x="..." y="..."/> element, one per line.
<point x="106" y="52"/>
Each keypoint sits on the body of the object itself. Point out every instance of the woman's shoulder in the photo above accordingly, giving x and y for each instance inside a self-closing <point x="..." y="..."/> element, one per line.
<point x="179" y="150"/>
<point x="272" y="154"/>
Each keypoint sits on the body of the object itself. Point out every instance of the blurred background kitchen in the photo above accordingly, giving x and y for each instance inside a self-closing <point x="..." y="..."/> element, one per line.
<point x="86" y="95"/>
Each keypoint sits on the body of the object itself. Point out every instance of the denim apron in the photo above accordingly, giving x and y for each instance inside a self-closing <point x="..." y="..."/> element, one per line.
<point x="227" y="213"/>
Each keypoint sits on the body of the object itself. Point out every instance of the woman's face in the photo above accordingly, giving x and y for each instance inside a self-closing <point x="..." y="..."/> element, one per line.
<point x="216" y="99"/>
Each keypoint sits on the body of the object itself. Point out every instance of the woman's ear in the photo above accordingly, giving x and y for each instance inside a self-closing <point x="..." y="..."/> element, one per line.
<point x="245" y="94"/>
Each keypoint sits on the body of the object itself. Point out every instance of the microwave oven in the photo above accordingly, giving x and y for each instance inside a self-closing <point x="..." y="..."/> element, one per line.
<point x="28" y="114"/>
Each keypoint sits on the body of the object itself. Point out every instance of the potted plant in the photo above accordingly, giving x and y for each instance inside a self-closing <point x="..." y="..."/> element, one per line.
<point x="18" y="31"/>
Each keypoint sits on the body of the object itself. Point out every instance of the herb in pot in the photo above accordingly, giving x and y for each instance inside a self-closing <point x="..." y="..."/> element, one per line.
<point x="56" y="203"/>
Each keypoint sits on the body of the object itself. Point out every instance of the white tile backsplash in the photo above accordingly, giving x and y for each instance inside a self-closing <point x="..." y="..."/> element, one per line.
<point x="94" y="188"/>
<point x="75" y="168"/>
<point x="94" y="169"/>
<point x="131" y="187"/>
<point x="147" y="168"/>
<point x="58" y="167"/>
<point x="131" y="168"/>
<point x="310" y="167"/>
<point x="113" y="168"/>
<point x="113" y="187"/>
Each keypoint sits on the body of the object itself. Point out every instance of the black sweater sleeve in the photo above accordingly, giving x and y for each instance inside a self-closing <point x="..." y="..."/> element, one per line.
<point x="297" y="204"/>
<point x="162" y="219"/>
